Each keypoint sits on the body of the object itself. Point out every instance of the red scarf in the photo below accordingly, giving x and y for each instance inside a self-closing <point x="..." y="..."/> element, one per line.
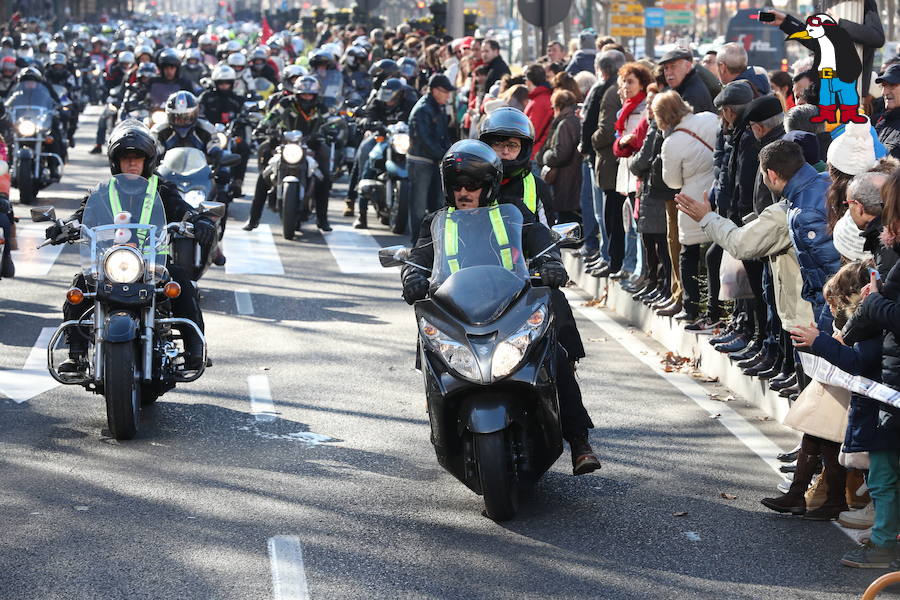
<point x="627" y="108"/>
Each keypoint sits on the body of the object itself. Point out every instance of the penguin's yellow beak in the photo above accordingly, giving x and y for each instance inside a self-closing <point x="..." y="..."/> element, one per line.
<point x="800" y="35"/>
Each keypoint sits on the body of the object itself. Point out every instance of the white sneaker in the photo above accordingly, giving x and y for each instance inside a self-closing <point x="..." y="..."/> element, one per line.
<point x="784" y="486"/>
<point x="863" y="537"/>
<point x="862" y="518"/>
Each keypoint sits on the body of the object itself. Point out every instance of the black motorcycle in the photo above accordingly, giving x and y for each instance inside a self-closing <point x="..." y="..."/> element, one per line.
<point x="293" y="171"/>
<point x="388" y="191"/>
<point x="195" y="179"/>
<point x="135" y="350"/>
<point x="487" y="349"/>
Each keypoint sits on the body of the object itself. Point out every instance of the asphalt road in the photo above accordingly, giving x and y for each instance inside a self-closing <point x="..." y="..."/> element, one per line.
<point x="341" y="463"/>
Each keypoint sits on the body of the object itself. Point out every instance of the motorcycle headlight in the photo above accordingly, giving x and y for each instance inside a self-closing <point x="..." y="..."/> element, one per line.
<point x="158" y="117"/>
<point x="223" y="139"/>
<point x="292" y="153"/>
<point x="457" y="356"/>
<point x="27" y="128"/>
<point x="510" y="352"/>
<point x="400" y="143"/>
<point x="195" y="197"/>
<point x="123" y="265"/>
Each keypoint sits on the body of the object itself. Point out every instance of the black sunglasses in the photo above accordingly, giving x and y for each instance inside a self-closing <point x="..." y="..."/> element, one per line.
<point x="471" y="186"/>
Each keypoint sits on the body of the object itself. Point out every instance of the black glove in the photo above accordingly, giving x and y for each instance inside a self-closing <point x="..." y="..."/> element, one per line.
<point x="553" y="274"/>
<point x="415" y="287"/>
<point x="53" y="232"/>
<point x="204" y="231"/>
<point x="286" y="102"/>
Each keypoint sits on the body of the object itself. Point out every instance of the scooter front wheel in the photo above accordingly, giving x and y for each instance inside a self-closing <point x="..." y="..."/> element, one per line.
<point x="496" y="475"/>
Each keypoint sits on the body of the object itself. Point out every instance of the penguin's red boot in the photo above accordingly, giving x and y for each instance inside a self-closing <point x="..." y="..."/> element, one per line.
<point x="826" y="114"/>
<point x="850" y="114"/>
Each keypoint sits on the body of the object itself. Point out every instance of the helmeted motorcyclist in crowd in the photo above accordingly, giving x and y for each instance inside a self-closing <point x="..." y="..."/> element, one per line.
<point x="98" y="50"/>
<point x="376" y="36"/>
<point x="391" y="104"/>
<point x="260" y="66"/>
<point x="132" y="151"/>
<point x="380" y="72"/>
<point x="411" y="73"/>
<point x="136" y="94"/>
<point x="471" y="174"/>
<point x="334" y="83"/>
<point x="276" y="55"/>
<point x="243" y="82"/>
<point x="8" y="73"/>
<point x="116" y="76"/>
<point x="185" y="129"/>
<point x="194" y="69"/>
<point x="208" y="48"/>
<point x="356" y="65"/>
<point x="57" y="73"/>
<point x="221" y="105"/>
<point x="7" y="47"/>
<point x="301" y="110"/>
<point x="169" y="80"/>
<point x="79" y="59"/>
<point x="32" y="74"/>
<point x="143" y="54"/>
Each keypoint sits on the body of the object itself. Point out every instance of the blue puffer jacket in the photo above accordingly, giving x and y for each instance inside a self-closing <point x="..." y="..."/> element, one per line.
<point x="429" y="129"/>
<point x="815" y="250"/>
<point x="758" y="81"/>
<point x="582" y="61"/>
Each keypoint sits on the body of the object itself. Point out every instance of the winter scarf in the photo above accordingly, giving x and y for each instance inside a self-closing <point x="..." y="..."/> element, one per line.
<point x="627" y="108"/>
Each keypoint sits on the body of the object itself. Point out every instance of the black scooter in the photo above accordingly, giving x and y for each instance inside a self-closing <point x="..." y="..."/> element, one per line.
<point x="487" y="349"/>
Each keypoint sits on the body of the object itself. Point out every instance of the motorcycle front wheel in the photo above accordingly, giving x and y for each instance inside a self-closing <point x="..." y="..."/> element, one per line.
<point x="290" y="210"/>
<point x="121" y="390"/>
<point x="25" y="182"/>
<point x="400" y="207"/>
<point x="496" y="475"/>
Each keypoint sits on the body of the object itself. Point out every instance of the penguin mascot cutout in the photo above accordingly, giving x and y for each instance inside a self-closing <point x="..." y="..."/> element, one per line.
<point x="838" y="67"/>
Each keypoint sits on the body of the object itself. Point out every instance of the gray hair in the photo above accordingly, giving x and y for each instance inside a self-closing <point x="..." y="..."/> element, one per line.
<point x="733" y="56"/>
<point x="772" y="122"/>
<point x="797" y="119"/>
<point x="585" y="81"/>
<point x="865" y="188"/>
<point x="609" y="63"/>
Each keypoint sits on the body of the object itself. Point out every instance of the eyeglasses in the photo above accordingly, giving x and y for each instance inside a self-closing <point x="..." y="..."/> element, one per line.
<point x="471" y="186"/>
<point x="511" y="146"/>
<point x="818" y="22"/>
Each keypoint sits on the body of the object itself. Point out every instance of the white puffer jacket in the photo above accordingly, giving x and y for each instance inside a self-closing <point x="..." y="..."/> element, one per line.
<point x="688" y="164"/>
<point x="626" y="183"/>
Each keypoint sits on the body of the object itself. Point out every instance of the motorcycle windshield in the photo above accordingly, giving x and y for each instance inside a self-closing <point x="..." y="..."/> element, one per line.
<point x="159" y="92"/>
<point x="128" y="217"/>
<point x="184" y="161"/>
<point x="332" y="83"/>
<point x="30" y="100"/>
<point x="61" y="92"/>
<point x="479" y="267"/>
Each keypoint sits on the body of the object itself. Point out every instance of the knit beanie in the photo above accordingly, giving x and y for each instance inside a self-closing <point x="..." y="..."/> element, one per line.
<point x="848" y="240"/>
<point x="853" y="152"/>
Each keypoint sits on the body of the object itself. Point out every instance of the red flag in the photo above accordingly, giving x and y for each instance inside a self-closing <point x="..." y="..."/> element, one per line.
<point x="266" y="31"/>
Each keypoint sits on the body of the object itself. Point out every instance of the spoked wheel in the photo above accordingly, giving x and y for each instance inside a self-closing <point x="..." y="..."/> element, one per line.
<point x="121" y="390"/>
<point x="496" y="474"/>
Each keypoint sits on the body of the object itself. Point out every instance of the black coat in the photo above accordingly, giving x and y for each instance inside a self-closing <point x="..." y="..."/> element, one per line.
<point x="512" y="191"/>
<point x="746" y="165"/>
<point x="762" y="197"/>
<point x="647" y="165"/>
<point x="693" y="91"/>
<point x="885" y="256"/>
<point x="220" y="107"/>
<point x="590" y="113"/>
<point x="888" y="129"/>
<point x="497" y="68"/>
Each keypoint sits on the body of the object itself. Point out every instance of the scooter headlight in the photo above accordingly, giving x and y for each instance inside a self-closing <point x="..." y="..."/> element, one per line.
<point x="400" y="143"/>
<point x="158" y="117"/>
<point x="292" y="153"/>
<point x="195" y="197"/>
<point x="27" y="128"/>
<point x="123" y="264"/>
<point x="511" y="351"/>
<point x="457" y="356"/>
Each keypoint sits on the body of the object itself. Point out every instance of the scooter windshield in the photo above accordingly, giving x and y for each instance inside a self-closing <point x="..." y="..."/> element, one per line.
<point x="30" y="101"/>
<point x="128" y="216"/>
<point x="184" y="161"/>
<point x="479" y="267"/>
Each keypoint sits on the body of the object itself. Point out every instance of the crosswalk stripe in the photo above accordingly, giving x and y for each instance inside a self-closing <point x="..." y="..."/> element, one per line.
<point x="252" y="252"/>
<point x="29" y="261"/>
<point x="355" y="250"/>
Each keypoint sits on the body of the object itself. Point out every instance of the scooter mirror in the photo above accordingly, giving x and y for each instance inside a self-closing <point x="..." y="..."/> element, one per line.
<point x="569" y="234"/>
<point x="393" y="256"/>
<point x="40" y="214"/>
<point x="216" y="209"/>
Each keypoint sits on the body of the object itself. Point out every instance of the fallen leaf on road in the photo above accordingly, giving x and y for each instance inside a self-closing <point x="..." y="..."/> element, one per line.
<point x="727" y="496"/>
<point x="715" y="416"/>
<point x="594" y="302"/>
<point x="764" y="418"/>
<point x="679" y="514"/>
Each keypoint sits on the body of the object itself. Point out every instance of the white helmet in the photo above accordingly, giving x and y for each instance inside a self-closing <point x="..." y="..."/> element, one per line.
<point x="223" y="73"/>
<point x="238" y="59"/>
<point x="126" y="57"/>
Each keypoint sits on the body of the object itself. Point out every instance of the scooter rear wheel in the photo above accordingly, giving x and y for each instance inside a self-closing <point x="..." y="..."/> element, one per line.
<point x="496" y="475"/>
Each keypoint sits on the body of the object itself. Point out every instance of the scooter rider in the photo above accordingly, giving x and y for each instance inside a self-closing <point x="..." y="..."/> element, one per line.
<point x="392" y="104"/>
<point x="301" y="110"/>
<point x="222" y="105"/>
<point x="132" y="151"/>
<point x="471" y="173"/>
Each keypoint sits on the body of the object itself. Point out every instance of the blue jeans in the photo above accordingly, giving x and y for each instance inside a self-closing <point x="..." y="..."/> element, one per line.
<point x="633" y="262"/>
<point x="590" y="227"/>
<point x="600" y="214"/>
<point x="834" y="91"/>
<point x="425" y="194"/>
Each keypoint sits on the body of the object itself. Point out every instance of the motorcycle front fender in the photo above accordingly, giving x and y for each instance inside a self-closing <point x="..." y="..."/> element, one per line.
<point x="120" y="327"/>
<point x="490" y="413"/>
<point x="290" y="179"/>
<point x="25" y="153"/>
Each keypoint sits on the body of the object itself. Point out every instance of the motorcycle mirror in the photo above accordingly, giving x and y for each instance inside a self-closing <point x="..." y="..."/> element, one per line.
<point x="393" y="256"/>
<point x="569" y="234"/>
<point x="230" y="160"/>
<point x="216" y="209"/>
<point x="40" y="214"/>
<point x="251" y="105"/>
<point x="220" y="127"/>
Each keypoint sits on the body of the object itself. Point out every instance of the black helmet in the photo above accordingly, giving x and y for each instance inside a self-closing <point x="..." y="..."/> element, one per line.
<point x="504" y="123"/>
<point x="391" y="90"/>
<point x="168" y="58"/>
<point x="182" y="110"/>
<point x="30" y="74"/>
<point x="307" y="85"/>
<point x="408" y="67"/>
<point x="385" y="67"/>
<point x="355" y="57"/>
<point x="471" y="162"/>
<point x="321" y="58"/>
<point x="131" y="136"/>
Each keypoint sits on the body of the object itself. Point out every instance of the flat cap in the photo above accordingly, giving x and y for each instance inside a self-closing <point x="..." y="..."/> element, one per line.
<point x="677" y="53"/>
<point x="439" y="80"/>
<point x="763" y="108"/>
<point x="891" y="75"/>
<point x="736" y="93"/>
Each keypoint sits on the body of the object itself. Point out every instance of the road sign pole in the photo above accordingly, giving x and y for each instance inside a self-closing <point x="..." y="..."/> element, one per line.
<point x="543" y="26"/>
<point x="455" y="23"/>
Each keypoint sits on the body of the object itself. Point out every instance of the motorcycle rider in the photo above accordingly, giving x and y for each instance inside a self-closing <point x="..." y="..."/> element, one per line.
<point x="261" y="67"/>
<point x="355" y="69"/>
<point x="208" y="48"/>
<point x="471" y="174"/>
<point x="243" y="83"/>
<point x="392" y="104"/>
<point x="57" y="73"/>
<point x="169" y="81"/>
<point x="184" y="128"/>
<point x="136" y="94"/>
<point x="194" y="69"/>
<point x="299" y="109"/>
<point x="222" y="105"/>
<point x="411" y="73"/>
<point x="132" y="150"/>
<point x="32" y="74"/>
<point x="118" y="70"/>
<point x="8" y="72"/>
<point x="380" y="72"/>
<point x="334" y="84"/>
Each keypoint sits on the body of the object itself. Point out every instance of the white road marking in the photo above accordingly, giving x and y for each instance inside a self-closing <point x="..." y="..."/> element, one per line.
<point x="33" y="379"/>
<point x="355" y="250"/>
<point x="746" y="433"/>
<point x="261" y="404"/>
<point x="252" y="252"/>
<point x="244" y="301"/>
<point x="288" y="573"/>
<point x="29" y="261"/>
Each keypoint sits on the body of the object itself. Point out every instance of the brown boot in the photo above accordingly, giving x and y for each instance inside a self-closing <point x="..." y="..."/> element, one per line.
<point x="817" y="493"/>
<point x="348" y="210"/>
<point x="583" y="458"/>
<point x="793" y="502"/>
<point x="836" y="500"/>
<point x="855" y="481"/>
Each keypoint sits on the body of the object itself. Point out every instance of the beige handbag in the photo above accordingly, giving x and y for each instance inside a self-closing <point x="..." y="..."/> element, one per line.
<point x="820" y="410"/>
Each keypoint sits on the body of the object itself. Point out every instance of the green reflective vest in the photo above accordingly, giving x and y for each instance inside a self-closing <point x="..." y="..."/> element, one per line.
<point x="451" y="239"/>
<point x="146" y="208"/>
<point x="530" y="193"/>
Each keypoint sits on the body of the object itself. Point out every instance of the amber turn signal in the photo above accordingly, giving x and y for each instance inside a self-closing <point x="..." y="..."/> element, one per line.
<point x="172" y="289"/>
<point x="379" y="138"/>
<point x="74" y="296"/>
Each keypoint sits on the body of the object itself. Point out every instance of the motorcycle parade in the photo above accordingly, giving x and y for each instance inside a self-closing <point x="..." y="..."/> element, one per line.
<point x="341" y="299"/>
